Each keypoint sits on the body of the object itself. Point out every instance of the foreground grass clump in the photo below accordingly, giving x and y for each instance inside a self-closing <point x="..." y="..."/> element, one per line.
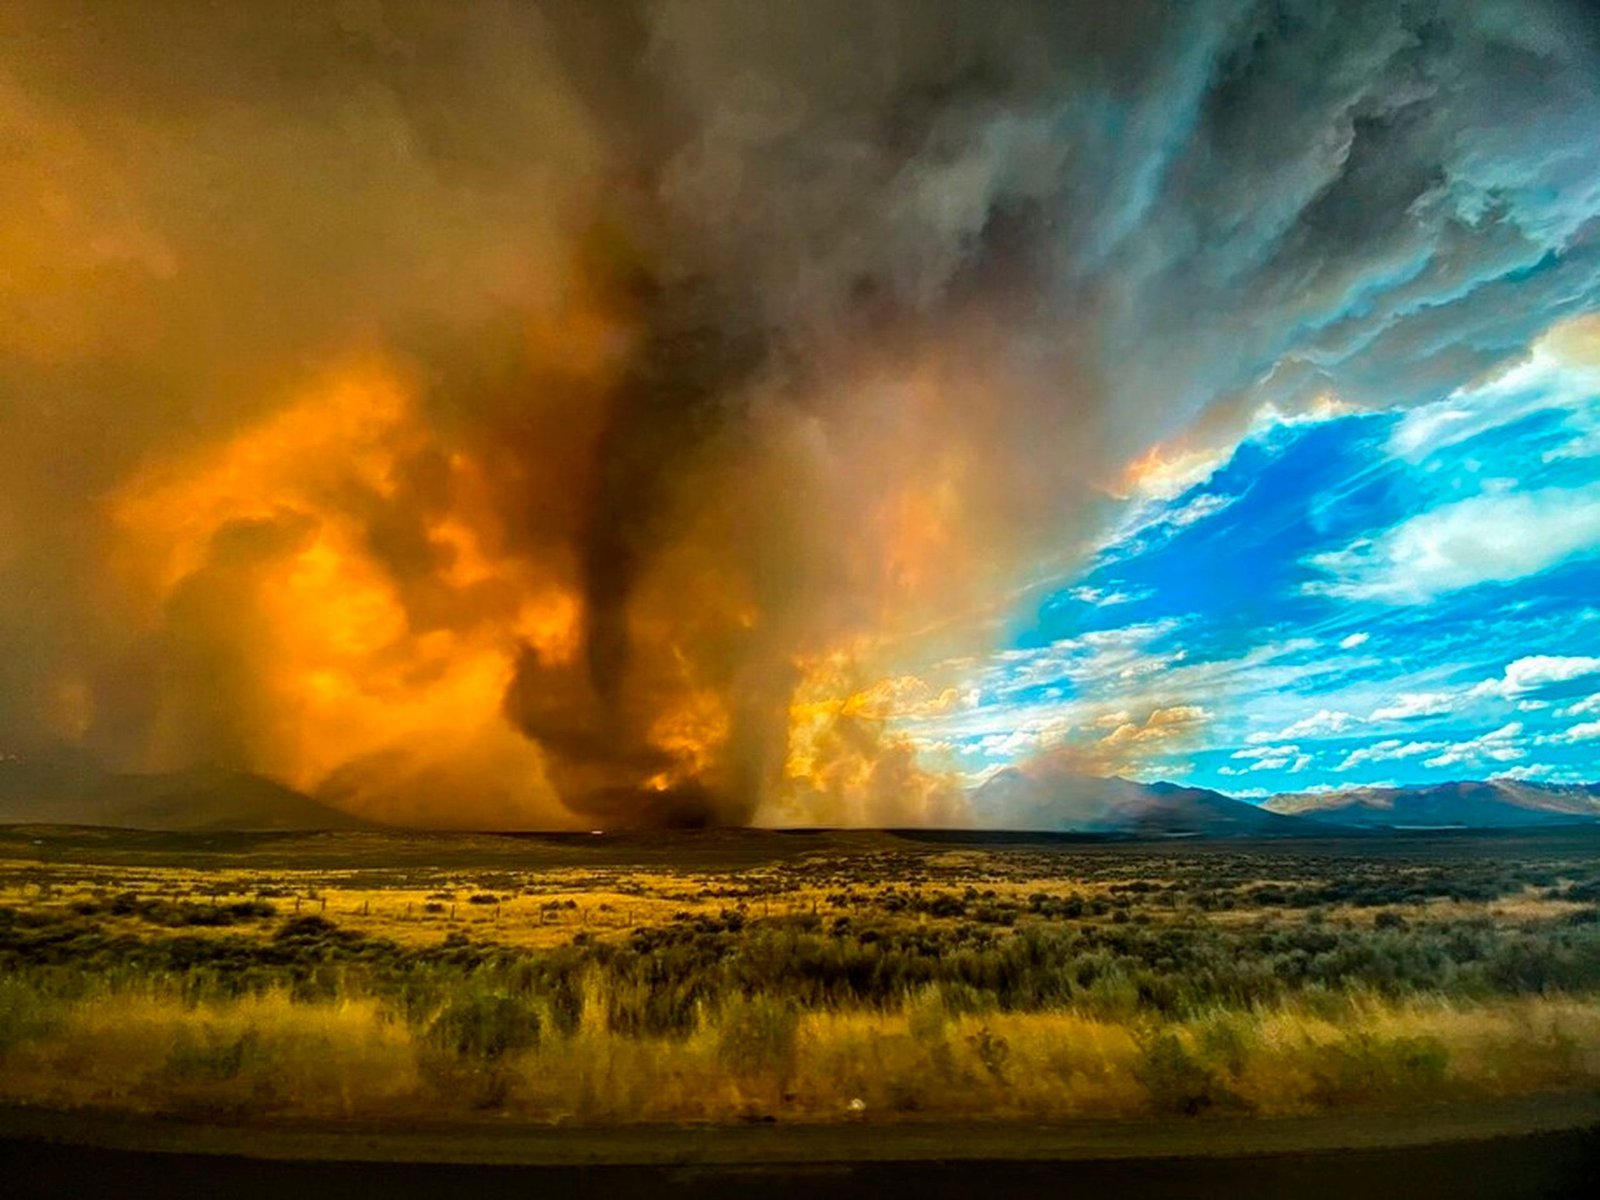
<point x="271" y="1055"/>
<point x="485" y="1027"/>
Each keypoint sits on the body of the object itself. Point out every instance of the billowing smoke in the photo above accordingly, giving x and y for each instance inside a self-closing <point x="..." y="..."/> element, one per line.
<point x="540" y="414"/>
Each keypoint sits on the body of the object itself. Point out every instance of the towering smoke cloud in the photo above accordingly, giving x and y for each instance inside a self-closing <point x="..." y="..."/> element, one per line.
<point x="540" y="414"/>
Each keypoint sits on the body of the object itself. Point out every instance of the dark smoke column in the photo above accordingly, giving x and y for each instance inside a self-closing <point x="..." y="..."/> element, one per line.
<point x="680" y="388"/>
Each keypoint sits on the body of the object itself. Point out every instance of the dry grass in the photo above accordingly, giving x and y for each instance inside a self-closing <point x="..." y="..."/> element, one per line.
<point x="741" y="1050"/>
<point x="269" y="1056"/>
<point x="260" y="1054"/>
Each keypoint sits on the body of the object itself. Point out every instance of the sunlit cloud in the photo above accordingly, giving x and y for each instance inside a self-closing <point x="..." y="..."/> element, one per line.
<point x="1498" y="745"/>
<point x="1534" y="672"/>
<point x="1415" y="704"/>
<point x="1493" y="538"/>
<point x="1387" y="751"/>
<point x="1323" y="721"/>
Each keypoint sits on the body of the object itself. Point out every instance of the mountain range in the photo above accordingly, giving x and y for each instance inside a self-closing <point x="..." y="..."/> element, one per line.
<point x="1017" y="798"/>
<point x="73" y="790"/>
<point x="1495" y="803"/>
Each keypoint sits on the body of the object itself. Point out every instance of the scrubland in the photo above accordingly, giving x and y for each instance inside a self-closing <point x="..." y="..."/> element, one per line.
<point x="867" y="980"/>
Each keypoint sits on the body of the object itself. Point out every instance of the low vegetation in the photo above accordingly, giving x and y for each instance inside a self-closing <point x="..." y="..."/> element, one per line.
<point x="919" y="981"/>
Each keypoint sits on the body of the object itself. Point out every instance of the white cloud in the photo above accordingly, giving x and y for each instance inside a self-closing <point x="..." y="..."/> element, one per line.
<point x="1534" y="672"/>
<point x="1584" y="445"/>
<point x="1090" y="659"/>
<point x="1205" y="505"/>
<point x="1491" y="538"/>
<point x="1165" y="473"/>
<point x="1152" y="522"/>
<point x="1265" y="752"/>
<point x="1543" y="773"/>
<point x="1106" y="597"/>
<point x="1387" y="751"/>
<point x="1270" y="758"/>
<point x="1498" y="744"/>
<point x="1164" y="724"/>
<point x="1322" y="721"/>
<point x="1527" y="771"/>
<point x="1590" y="704"/>
<point x="1353" y="640"/>
<point x="1552" y="377"/>
<point x="1414" y="704"/>
<point x="1582" y="733"/>
<point x="1025" y="737"/>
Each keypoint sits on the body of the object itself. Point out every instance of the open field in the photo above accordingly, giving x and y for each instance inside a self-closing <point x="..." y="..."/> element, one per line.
<point x="777" y="977"/>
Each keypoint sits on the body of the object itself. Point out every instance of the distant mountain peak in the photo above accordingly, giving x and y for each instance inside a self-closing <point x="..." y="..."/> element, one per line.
<point x="1468" y="803"/>
<point x="1044" y="799"/>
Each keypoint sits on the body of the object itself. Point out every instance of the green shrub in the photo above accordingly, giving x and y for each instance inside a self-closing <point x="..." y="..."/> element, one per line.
<point x="1178" y="1082"/>
<point x="485" y="1026"/>
<point x="25" y="1014"/>
<point x="756" y="1035"/>
<point x="927" y="1016"/>
<point x="1361" y="1068"/>
<point x="993" y="1051"/>
<point x="1224" y="1040"/>
<point x="213" y="1058"/>
<point x="566" y="1002"/>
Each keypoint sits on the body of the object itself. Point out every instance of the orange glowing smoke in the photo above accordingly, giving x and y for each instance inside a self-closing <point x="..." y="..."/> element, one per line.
<point x="625" y="510"/>
<point x="359" y="606"/>
<point x="358" y="688"/>
<point x="846" y="763"/>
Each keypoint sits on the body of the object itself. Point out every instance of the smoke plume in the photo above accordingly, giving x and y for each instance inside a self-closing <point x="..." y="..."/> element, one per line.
<point x="566" y="414"/>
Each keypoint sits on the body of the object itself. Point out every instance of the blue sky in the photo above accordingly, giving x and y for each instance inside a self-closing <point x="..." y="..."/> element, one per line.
<point x="1345" y="598"/>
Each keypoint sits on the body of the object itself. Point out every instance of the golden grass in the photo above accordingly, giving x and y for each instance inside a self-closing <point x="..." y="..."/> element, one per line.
<point x="260" y="1054"/>
<point x="270" y="1056"/>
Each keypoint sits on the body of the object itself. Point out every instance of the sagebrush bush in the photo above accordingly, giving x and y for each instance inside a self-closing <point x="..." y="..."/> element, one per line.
<point x="213" y="1056"/>
<point x="756" y="1035"/>
<point x="1362" y="1067"/>
<point x="485" y="1026"/>
<point x="1179" y="1081"/>
<point x="25" y="1013"/>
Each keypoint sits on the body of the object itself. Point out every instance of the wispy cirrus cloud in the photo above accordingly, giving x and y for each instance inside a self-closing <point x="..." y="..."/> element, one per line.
<point x="1409" y="705"/>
